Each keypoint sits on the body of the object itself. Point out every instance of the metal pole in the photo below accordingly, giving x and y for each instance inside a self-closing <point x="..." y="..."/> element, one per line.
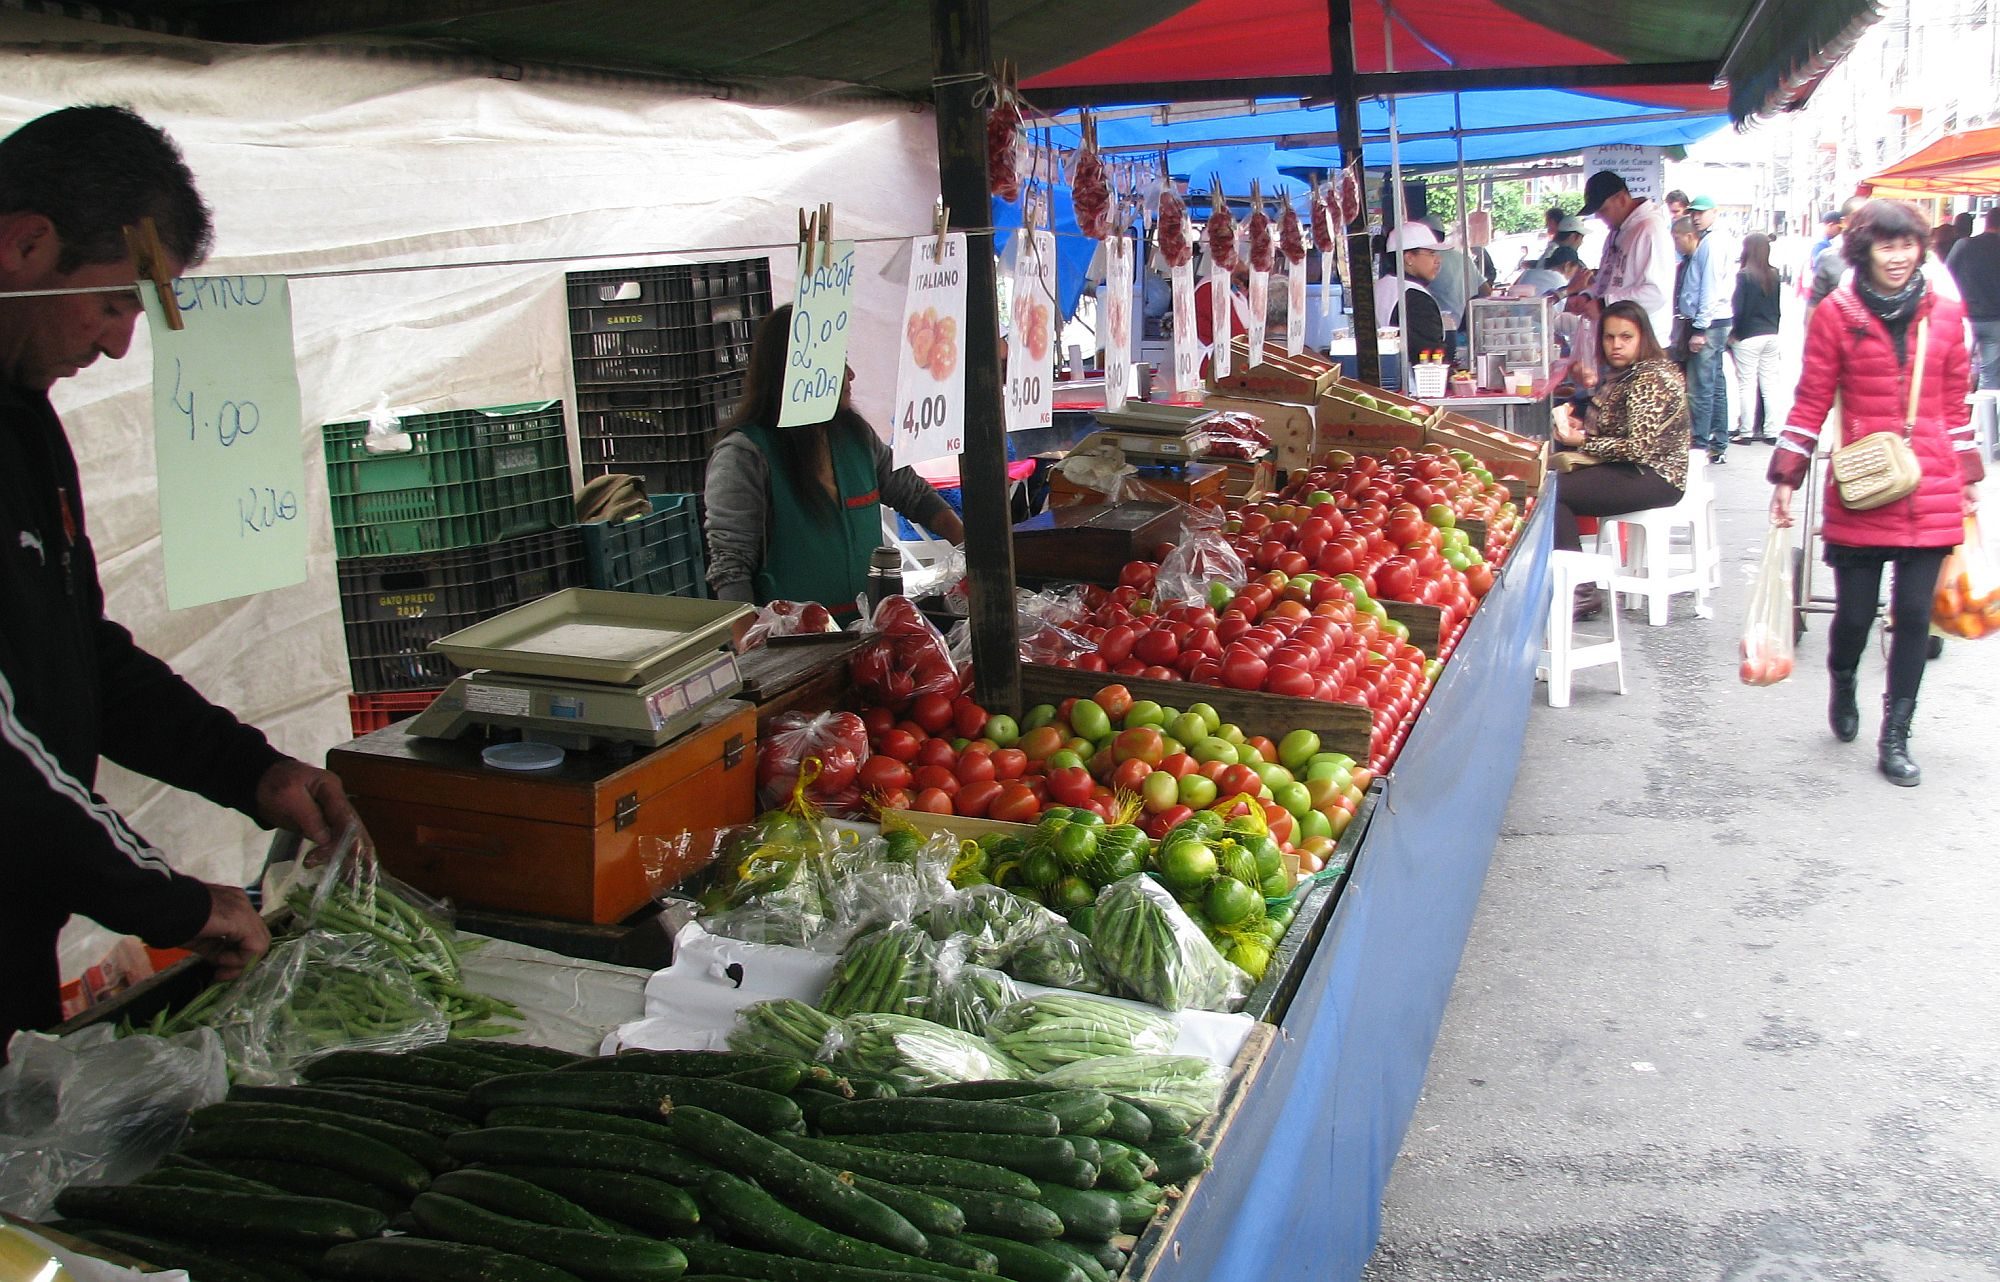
<point x="1360" y="265"/>
<point x="1464" y="220"/>
<point x="961" y="49"/>
<point x="1395" y="205"/>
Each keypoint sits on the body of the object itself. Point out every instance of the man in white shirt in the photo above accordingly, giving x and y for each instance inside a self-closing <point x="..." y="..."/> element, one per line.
<point x="1423" y="331"/>
<point x="1639" y="259"/>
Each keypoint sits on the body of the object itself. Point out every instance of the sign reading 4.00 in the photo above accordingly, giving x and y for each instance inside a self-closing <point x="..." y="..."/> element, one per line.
<point x="816" y="359"/>
<point x="930" y="377"/>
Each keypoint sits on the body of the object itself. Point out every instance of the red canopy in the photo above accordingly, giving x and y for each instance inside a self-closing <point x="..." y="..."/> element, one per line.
<point x="1966" y="164"/>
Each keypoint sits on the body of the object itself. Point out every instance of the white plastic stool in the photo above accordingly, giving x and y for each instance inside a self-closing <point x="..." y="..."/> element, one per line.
<point x="1567" y="652"/>
<point x="1656" y="567"/>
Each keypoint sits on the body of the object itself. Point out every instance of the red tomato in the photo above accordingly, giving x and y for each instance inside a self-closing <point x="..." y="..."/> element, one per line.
<point x="878" y="720"/>
<point x="932" y="712"/>
<point x="1131" y="774"/>
<point x="1038" y="744"/>
<point x="1231" y="626"/>
<point x="1172" y="815"/>
<point x="1070" y="785"/>
<point x="1479" y="579"/>
<point x="938" y="777"/>
<point x="932" y="801"/>
<point x="1178" y="764"/>
<point x="976" y="767"/>
<point x="1092" y="663"/>
<point x="883" y="774"/>
<point x="975" y="800"/>
<point x="968" y="718"/>
<point x="1117" y="643"/>
<point x="1116" y="701"/>
<point x="1129" y="668"/>
<point x="1157" y="647"/>
<point x="1158" y="673"/>
<point x="837" y="767"/>
<point x="1009" y="763"/>
<point x="1235" y="779"/>
<point x="1137" y="574"/>
<point x="1265" y="748"/>
<point x="900" y="744"/>
<point x="1014" y="803"/>
<point x="936" y="752"/>
<point x="1243" y="668"/>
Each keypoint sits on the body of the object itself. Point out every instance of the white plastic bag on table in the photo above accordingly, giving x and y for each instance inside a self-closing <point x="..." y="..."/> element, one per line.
<point x="1766" y="645"/>
<point x="1152" y="948"/>
<point x="94" y="1108"/>
<point x="1202" y="557"/>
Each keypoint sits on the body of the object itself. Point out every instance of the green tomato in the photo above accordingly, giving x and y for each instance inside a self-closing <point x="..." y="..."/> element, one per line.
<point x="1231" y="732"/>
<point x="1216" y="749"/>
<point x="1209" y="717"/>
<point x="1337" y="758"/>
<point x="1297" y="748"/>
<point x="1170" y="745"/>
<point x="1431" y="669"/>
<point x="1160" y="791"/>
<point x="1040" y="715"/>
<point x="1196" y="791"/>
<point x="1219" y="595"/>
<point x="1090" y="721"/>
<point x="1248" y="755"/>
<point x="1144" y="712"/>
<point x="1340" y="775"/>
<point x="1313" y="823"/>
<point x="1081" y="747"/>
<point x="1274" y="776"/>
<point x="960" y="744"/>
<point x="1167" y="716"/>
<point x="1397" y="630"/>
<point x="1293" y="797"/>
<point x="1002" y="730"/>
<point x="1064" y="757"/>
<point x="1188" y="727"/>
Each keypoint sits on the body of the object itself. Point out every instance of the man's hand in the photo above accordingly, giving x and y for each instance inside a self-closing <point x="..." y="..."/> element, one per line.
<point x="234" y="935"/>
<point x="304" y="800"/>
<point x="1972" y="500"/>
<point x="1697" y="340"/>
<point x="1781" y="507"/>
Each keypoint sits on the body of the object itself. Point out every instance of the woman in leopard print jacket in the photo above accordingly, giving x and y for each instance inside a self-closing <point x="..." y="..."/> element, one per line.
<point x="1637" y="430"/>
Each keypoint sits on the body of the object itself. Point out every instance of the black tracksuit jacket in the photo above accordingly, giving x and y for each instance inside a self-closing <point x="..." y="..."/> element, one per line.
<point x="74" y="687"/>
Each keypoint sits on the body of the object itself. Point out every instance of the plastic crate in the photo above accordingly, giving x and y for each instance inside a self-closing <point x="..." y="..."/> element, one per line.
<point x="659" y="554"/>
<point x="470" y="477"/>
<point x="395" y="606"/>
<point x="667" y="423"/>
<point x="666" y="324"/>
<point x="367" y="713"/>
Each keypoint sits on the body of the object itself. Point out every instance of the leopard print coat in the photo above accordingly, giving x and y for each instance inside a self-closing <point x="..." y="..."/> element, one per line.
<point x="1642" y="417"/>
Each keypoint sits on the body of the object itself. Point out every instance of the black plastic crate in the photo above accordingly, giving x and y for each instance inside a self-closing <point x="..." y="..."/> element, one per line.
<point x="666" y="324"/>
<point x="660" y="554"/>
<point x="393" y="607"/>
<point x="665" y="423"/>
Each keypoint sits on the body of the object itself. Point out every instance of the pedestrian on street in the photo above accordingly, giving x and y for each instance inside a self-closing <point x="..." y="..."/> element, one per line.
<point x="1830" y="264"/>
<point x="1706" y="298"/>
<point x="1639" y="258"/>
<point x="1753" y="340"/>
<point x="1892" y="348"/>
<point x="1975" y="265"/>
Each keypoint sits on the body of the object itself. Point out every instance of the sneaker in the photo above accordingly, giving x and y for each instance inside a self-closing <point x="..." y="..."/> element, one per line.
<point x="1744" y="440"/>
<point x="1715" y="456"/>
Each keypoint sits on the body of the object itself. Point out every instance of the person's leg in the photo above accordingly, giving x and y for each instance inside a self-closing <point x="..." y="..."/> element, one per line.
<point x="1607" y="489"/>
<point x="1746" y="390"/>
<point x="1857" y="593"/>
<point x="1704" y="372"/>
<point x="1987" y="335"/>
<point x="1771" y="386"/>
<point x="1909" y="643"/>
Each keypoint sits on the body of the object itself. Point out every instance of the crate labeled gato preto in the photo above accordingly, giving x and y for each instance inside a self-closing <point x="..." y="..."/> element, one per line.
<point x="659" y="554"/>
<point x="467" y="477"/>
<point x="673" y="323"/>
<point x="395" y="606"/>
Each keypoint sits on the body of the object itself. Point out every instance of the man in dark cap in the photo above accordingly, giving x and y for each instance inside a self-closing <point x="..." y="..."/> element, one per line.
<point x="1639" y="260"/>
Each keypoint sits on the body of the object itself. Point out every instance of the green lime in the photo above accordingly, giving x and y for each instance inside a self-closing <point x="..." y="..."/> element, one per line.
<point x="1187" y="863"/>
<point x="1087" y="819"/>
<point x="1072" y="892"/>
<point x="1041" y="868"/>
<point x="1251" y="955"/>
<point x="1075" y="845"/>
<point x="1229" y="901"/>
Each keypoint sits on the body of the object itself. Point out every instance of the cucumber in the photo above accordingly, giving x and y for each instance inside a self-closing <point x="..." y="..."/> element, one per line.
<point x="314" y="1144"/>
<point x="931" y="1215"/>
<point x="866" y="1086"/>
<point x="1021" y="1262"/>
<point x="550" y="1146"/>
<point x="1108" y="1254"/>
<point x="1086" y="1148"/>
<point x="1038" y="1157"/>
<point x="1130" y="1154"/>
<point x="1167" y="1123"/>
<point x="417" y="1117"/>
<point x="815" y="1191"/>
<point x="174" y="1255"/>
<point x="422" y="1145"/>
<point x="475" y="1057"/>
<point x="929" y="1113"/>
<point x="814" y="1100"/>
<point x="1085" y="1213"/>
<point x="404" y="1070"/>
<point x="1177" y="1159"/>
<point x="754" y="1216"/>
<point x="650" y="1206"/>
<point x="1001" y="1215"/>
<point x="301" y="1180"/>
<point x="578" y="1119"/>
<point x="641" y="1095"/>
<point x="781" y="1078"/>
<point x="205" y="1215"/>
<point x="1137" y="1208"/>
<point x="509" y="1195"/>
<point x="961" y="1254"/>
<point x="1077" y="1175"/>
<point x="451" y="1100"/>
<point x="1004" y="1089"/>
<point x="189" y="1177"/>
<point x="762" y="1266"/>
<point x="547" y="1057"/>
<point x="588" y="1254"/>
<point x="1070" y="1253"/>
<point x="1128" y="1124"/>
<point x="1074" y="1110"/>
<point x="415" y="1259"/>
<point x="1119" y="1176"/>
<point x="910" y="1168"/>
<point x="680" y="1063"/>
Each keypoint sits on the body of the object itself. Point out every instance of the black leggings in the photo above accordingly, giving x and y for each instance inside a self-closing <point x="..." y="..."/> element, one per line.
<point x="1857" y="591"/>
<point x="1609" y="489"/>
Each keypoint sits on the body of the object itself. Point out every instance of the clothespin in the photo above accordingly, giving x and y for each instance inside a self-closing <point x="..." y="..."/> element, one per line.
<point x="943" y="221"/>
<point x="826" y="233"/>
<point x="149" y="262"/>
<point x="808" y="237"/>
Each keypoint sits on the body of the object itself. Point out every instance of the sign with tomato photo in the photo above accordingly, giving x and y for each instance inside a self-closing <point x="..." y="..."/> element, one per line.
<point x="1219" y="322"/>
<point x="1187" y="343"/>
<point x="1117" y="320"/>
<point x="1031" y="343"/>
<point x="930" y="374"/>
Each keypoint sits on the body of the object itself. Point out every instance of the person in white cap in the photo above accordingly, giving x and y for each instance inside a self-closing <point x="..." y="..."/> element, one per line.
<point x="1424" y="329"/>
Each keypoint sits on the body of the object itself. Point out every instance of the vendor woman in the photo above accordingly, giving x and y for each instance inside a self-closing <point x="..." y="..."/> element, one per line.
<point x="794" y="512"/>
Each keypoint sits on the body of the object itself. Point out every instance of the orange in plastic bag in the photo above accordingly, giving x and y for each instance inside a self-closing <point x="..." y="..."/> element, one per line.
<point x="1967" y="604"/>
<point x="1767" y="642"/>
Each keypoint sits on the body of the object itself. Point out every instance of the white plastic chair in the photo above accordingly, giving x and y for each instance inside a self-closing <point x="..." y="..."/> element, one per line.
<point x="1566" y="651"/>
<point x="1655" y="566"/>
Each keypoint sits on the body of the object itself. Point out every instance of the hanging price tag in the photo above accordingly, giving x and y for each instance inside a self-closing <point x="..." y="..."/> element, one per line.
<point x="930" y="377"/>
<point x="816" y="357"/>
<point x="1031" y="355"/>
<point x="1117" y="320"/>
<point x="1295" y="307"/>
<point x="1260" y="297"/>
<point x="1327" y="275"/>
<point x="1219" y="325"/>
<point x="1187" y="343"/>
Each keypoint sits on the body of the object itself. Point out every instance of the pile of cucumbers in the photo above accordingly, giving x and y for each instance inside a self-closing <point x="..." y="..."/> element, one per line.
<point x="502" y="1163"/>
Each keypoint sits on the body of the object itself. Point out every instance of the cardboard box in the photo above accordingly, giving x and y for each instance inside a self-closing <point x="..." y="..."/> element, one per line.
<point x="1291" y="426"/>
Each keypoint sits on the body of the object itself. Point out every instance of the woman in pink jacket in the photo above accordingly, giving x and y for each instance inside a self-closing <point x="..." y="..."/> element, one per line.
<point x="1862" y="345"/>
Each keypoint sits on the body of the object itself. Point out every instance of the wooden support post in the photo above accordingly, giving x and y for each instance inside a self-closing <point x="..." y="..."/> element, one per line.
<point x="1360" y="263"/>
<point x="961" y="48"/>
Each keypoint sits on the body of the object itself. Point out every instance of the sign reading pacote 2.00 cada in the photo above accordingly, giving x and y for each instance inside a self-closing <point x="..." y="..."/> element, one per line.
<point x="816" y="356"/>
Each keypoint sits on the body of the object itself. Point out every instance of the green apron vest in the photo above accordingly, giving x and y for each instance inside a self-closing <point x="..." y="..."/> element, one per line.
<point x="804" y="558"/>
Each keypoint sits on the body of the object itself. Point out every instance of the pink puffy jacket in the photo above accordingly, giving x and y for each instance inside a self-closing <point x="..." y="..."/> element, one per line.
<point x="1848" y="350"/>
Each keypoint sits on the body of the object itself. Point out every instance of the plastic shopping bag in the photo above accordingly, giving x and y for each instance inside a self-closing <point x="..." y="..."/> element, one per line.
<point x="1767" y="632"/>
<point x="1968" y="595"/>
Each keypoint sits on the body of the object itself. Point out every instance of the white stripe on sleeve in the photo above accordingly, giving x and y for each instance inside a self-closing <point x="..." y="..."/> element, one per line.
<point x="24" y="741"/>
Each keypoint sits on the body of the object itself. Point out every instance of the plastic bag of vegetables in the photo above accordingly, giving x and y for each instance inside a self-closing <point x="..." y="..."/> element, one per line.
<point x="1155" y="952"/>
<point x="1058" y="957"/>
<point x="1044" y="1033"/>
<point x="783" y="1027"/>
<point x="913" y="1053"/>
<point x="769" y="882"/>
<point x="882" y="880"/>
<point x="1187" y="1086"/>
<point x="964" y="996"/>
<point x="901" y="970"/>
<point x="992" y="920"/>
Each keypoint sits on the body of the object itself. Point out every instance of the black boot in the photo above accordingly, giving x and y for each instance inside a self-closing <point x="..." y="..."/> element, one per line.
<point x="1893" y="751"/>
<point x="1588" y="602"/>
<point x="1842" y="713"/>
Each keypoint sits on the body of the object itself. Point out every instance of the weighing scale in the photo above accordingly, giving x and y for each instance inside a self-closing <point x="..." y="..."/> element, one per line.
<point x="1143" y="430"/>
<point x="582" y="669"/>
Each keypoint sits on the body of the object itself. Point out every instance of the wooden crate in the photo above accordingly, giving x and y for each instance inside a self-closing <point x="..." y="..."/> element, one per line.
<point x="960" y="826"/>
<point x="1249" y="481"/>
<point x="1344" y="424"/>
<point x="1091" y="543"/>
<point x="1290" y="424"/>
<point x="1342" y="727"/>
<point x="1281" y="378"/>
<point x="1505" y="454"/>
<point x="1425" y="622"/>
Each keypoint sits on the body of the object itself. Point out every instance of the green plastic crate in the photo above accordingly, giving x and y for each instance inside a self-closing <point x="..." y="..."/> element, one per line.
<point x="660" y="555"/>
<point x="471" y="477"/>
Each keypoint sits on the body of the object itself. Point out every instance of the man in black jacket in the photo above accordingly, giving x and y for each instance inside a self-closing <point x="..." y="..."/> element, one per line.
<point x="73" y="684"/>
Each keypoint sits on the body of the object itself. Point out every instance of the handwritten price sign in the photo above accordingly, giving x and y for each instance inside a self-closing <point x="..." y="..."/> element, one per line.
<point x="930" y="375"/>
<point x="816" y="359"/>
<point x="1117" y="320"/>
<point x="1031" y="343"/>
<point x="227" y="439"/>
<point x="1187" y="343"/>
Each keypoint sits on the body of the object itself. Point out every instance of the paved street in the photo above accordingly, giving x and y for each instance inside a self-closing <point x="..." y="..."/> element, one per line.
<point x="1729" y="1007"/>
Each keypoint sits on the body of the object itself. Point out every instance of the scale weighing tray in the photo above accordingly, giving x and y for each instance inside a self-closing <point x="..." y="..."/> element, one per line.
<point x="1142" y="430"/>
